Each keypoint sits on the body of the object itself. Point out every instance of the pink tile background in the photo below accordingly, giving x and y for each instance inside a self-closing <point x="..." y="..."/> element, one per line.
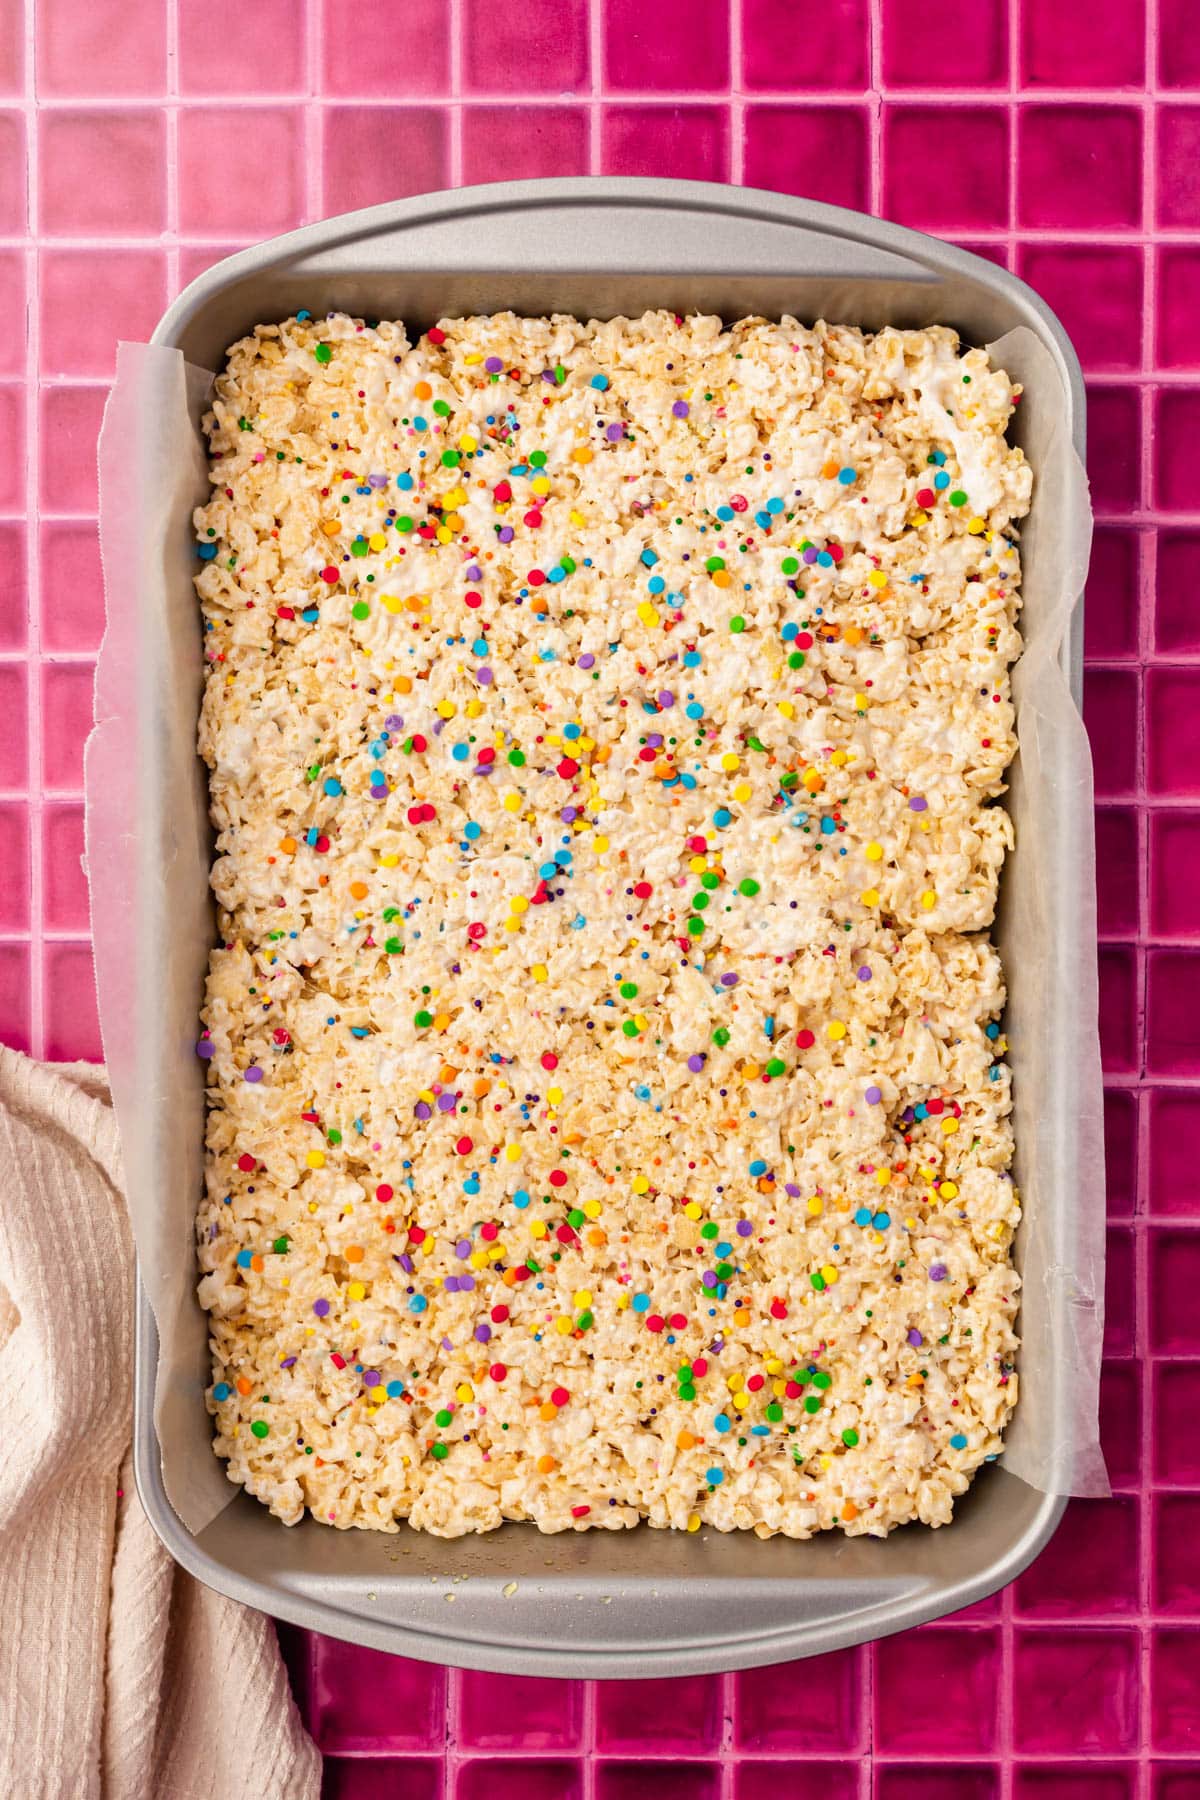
<point x="140" y="140"/>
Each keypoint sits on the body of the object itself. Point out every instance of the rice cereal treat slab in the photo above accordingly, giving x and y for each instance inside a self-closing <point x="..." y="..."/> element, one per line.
<point x="606" y="727"/>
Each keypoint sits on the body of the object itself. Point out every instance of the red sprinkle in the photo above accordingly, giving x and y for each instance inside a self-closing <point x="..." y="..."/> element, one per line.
<point x="642" y="889"/>
<point x="558" y="1178"/>
<point x="498" y="1371"/>
<point x="383" y="1193"/>
<point x="330" y="574"/>
<point x="499" y="1314"/>
<point x="464" y="1146"/>
<point x="567" y="768"/>
<point x="436" y="335"/>
<point x="805" y="1039"/>
<point x="654" y="1322"/>
<point x="246" y="1162"/>
<point x="549" y="1060"/>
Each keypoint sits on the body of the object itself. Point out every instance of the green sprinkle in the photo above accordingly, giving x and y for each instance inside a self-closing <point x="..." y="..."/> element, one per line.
<point x="737" y="623"/>
<point x="749" y="887"/>
<point x="422" y="1019"/>
<point x="260" y="1428"/>
<point x="850" y="1438"/>
<point x="440" y="1451"/>
<point x="323" y="354"/>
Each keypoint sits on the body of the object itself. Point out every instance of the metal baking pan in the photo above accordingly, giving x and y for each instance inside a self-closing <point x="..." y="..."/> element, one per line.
<point x="645" y="1602"/>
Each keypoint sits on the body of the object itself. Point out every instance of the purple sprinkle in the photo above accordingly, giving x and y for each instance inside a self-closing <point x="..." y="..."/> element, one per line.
<point x="394" y="722"/>
<point x="680" y="409"/>
<point x="206" y="1048"/>
<point x="695" y="1063"/>
<point x="445" y="1103"/>
<point x="915" y="1338"/>
<point x="462" y="1249"/>
<point x="917" y="804"/>
<point x="873" y="1096"/>
<point x="864" y="974"/>
<point x="547" y="374"/>
<point x="729" y="981"/>
<point x="422" y="1110"/>
<point x="446" y="1344"/>
<point x="474" y="573"/>
<point x="377" y="481"/>
<point x="791" y="1188"/>
<point x="450" y="1284"/>
<point x="586" y="660"/>
<point x="289" y="1362"/>
<point x="615" y="433"/>
<point x="654" y="740"/>
<point x="708" y="1279"/>
<point x="254" y="1073"/>
<point x="811" y="554"/>
<point x="938" y="1271"/>
<point x="743" y="1228"/>
<point x="406" y="1263"/>
<point x="493" y="365"/>
<point x="666" y="698"/>
<point x="466" y="1284"/>
<point x="371" y="1377"/>
<point x="484" y="676"/>
<point x="482" y="1333"/>
<point x="321" y="1308"/>
<point x="505" y="534"/>
<point x="567" y="815"/>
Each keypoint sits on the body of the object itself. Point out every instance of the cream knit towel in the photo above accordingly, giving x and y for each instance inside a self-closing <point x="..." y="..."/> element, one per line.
<point x="121" y="1678"/>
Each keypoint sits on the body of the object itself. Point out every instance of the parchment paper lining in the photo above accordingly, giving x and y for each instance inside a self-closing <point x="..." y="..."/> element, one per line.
<point x="148" y="857"/>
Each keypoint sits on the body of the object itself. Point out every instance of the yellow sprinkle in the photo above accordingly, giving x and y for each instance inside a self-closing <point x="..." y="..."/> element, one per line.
<point x="730" y="762"/>
<point x="839" y="759"/>
<point x="575" y="516"/>
<point x="474" y="708"/>
<point x="512" y="1152"/>
<point x="646" y="613"/>
<point x="537" y="1228"/>
<point x="830" y="1274"/>
<point x="883" y="1177"/>
<point x="949" y="1126"/>
<point x="870" y="897"/>
<point x="693" y="1210"/>
<point x="773" y="1366"/>
<point x="554" y="1096"/>
<point x="741" y="1401"/>
<point x="443" y="534"/>
<point x="742" y="791"/>
<point x="564" y="1324"/>
<point x="540" y="484"/>
<point x="356" y="1291"/>
<point x="377" y="541"/>
<point x="698" y="864"/>
<point x="392" y="604"/>
<point x="464" y="1392"/>
<point x="512" y="803"/>
<point x="861" y="702"/>
<point x="693" y="1523"/>
<point x="592" y="1209"/>
<point x="540" y="972"/>
<point x="513" y="924"/>
<point x="815" y="1205"/>
<point x="315" y="1159"/>
<point x="929" y="899"/>
<point x="976" y="525"/>
<point x="787" y="709"/>
<point x="446" y="708"/>
<point x="835" y="1029"/>
<point x="877" y="579"/>
<point x="600" y="842"/>
<point x="874" y="852"/>
<point x="582" y="1298"/>
<point x="640" y="1184"/>
<point x="949" y="1190"/>
<point x="467" y="442"/>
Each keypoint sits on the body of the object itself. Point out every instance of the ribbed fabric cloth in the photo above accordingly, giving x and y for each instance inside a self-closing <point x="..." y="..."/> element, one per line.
<point x="121" y="1678"/>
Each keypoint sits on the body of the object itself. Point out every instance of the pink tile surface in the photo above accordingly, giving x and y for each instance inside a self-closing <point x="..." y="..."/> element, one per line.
<point x="142" y="140"/>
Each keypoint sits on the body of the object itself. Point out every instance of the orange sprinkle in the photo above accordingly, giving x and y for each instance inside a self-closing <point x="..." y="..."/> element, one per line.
<point x="358" y="890"/>
<point x="353" y="1253"/>
<point x="423" y="392"/>
<point x="243" y="1386"/>
<point x="546" y="1465"/>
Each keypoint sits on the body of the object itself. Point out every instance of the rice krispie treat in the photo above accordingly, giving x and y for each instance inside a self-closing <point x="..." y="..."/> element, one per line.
<point x="606" y="724"/>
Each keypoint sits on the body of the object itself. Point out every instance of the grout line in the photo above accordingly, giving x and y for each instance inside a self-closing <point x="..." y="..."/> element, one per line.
<point x="737" y="107"/>
<point x="1083" y="99"/>
<point x="595" y="71"/>
<point x="314" y="118"/>
<point x="36" y="798"/>
<point x="875" y="77"/>
<point x="454" y="105"/>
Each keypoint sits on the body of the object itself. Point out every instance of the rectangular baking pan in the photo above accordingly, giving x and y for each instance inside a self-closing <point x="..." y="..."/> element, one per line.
<point x="601" y="1603"/>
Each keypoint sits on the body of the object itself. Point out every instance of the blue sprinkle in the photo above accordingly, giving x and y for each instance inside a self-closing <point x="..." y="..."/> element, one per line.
<point x="691" y="659"/>
<point x="881" y="1221"/>
<point x="521" y="1199"/>
<point x="332" y="785"/>
<point x="863" y="1216"/>
<point x="721" y="1422"/>
<point x="418" y="1303"/>
<point x="600" y="381"/>
<point x="656" y="584"/>
<point x="395" y="1389"/>
<point x="404" y="482"/>
<point x="460" y="752"/>
<point x="775" y="505"/>
<point x="846" y="476"/>
<point x="222" y="1391"/>
<point x="941" y="480"/>
<point x="649" y="558"/>
<point x="714" y="1476"/>
<point x="310" y="615"/>
<point x="722" y="817"/>
<point x="958" y="1441"/>
<point x="828" y="827"/>
<point x="758" y="1166"/>
<point x="243" y="1259"/>
<point x="206" y="552"/>
<point x="725" y="513"/>
<point x="789" y="632"/>
<point x="641" y="1303"/>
